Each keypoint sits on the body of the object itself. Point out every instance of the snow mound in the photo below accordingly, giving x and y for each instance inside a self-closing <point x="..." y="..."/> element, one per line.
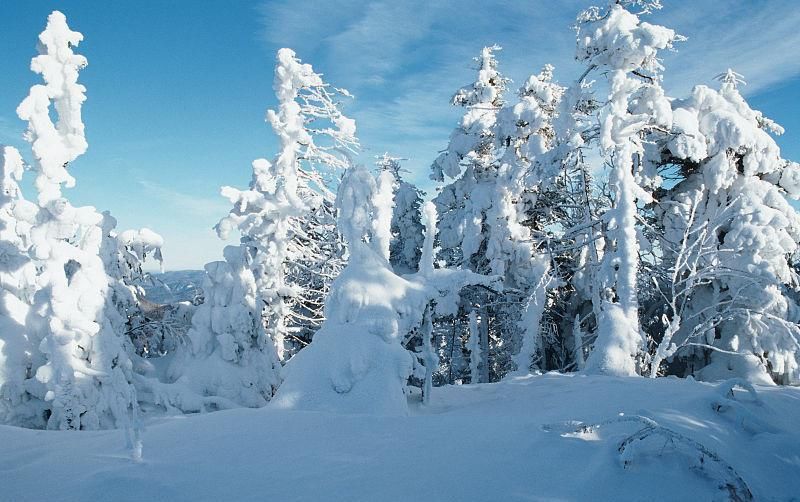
<point x="356" y="362"/>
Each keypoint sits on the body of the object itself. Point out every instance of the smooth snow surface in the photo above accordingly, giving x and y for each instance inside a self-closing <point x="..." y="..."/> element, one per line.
<point x="514" y="440"/>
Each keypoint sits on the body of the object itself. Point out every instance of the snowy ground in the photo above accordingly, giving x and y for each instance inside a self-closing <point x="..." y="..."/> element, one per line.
<point x="507" y="441"/>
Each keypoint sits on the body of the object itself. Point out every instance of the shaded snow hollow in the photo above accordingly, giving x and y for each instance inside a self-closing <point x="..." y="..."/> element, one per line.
<point x="513" y="440"/>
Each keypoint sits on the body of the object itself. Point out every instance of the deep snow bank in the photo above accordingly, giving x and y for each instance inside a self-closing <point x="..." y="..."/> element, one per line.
<point x="514" y="440"/>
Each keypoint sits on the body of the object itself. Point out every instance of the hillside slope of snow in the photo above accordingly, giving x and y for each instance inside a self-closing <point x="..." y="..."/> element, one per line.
<point x="516" y="440"/>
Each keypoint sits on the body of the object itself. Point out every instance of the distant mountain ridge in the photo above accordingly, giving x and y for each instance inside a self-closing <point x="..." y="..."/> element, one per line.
<point x="174" y="286"/>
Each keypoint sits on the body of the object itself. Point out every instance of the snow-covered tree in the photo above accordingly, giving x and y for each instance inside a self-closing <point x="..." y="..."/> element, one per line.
<point x="240" y="333"/>
<point x="278" y="215"/>
<point x="407" y="229"/>
<point x="619" y="44"/>
<point x="229" y="359"/>
<point x="356" y="361"/>
<point x="468" y="161"/>
<point x="86" y="379"/>
<point x="467" y="219"/>
<point x="499" y="210"/>
<point x="19" y="352"/>
<point x="526" y="211"/>
<point x="729" y="237"/>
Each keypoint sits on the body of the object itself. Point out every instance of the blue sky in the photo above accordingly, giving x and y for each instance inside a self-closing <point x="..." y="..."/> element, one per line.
<point x="177" y="90"/>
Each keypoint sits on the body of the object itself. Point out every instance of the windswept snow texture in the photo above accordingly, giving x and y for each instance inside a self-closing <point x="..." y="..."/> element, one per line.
<point x="530" y="451"/>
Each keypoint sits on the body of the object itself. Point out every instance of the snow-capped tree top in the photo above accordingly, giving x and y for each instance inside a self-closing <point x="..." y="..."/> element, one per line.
<point x="712" y="122"/>
<point x="489" y="87"/>
<point x="291" y="75"/>
<point x="386" y="162"/>
<point x="473" y="137"/>
<point x="354" y="204"/>
<point x="309" y="109"/>
<point x="730" y="77"/>
<point x="617" y="39"/>
<point x="55" y="145"/>
<point x="541" y="88"/>
<point x="143" y="243"/>
<point x="528" y="125"/>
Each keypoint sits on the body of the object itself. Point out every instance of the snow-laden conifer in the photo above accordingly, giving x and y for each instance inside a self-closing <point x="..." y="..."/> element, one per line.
<point x="407" y="228"/>
<point x="314" y="138"/>
<point x="729" y="235"/>
<point x="19" y="351"/>
<point x="86" y="379"/>
<point x="619" y="44"/>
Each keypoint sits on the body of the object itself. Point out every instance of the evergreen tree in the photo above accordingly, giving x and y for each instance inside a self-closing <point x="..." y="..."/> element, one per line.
<point x="617" y="43"/>
<point x="729" y="235"/>
<point x="86" y="379"/>
<point x="19" y="352"/>
<point x="407" y="228"/>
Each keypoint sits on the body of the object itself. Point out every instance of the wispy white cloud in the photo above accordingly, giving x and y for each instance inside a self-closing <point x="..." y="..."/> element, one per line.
<point x="759" y="39"/>
<point x="203" y="208"/>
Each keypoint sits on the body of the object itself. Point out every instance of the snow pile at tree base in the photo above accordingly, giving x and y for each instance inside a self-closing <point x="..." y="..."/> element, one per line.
<point x="356" y="363"/>
<point x="529" y="438"/>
